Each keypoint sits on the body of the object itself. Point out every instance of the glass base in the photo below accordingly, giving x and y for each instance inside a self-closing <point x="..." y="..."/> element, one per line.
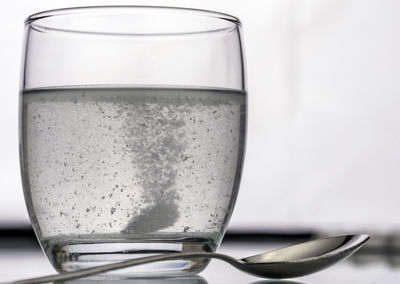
<point x="77" y="256"/>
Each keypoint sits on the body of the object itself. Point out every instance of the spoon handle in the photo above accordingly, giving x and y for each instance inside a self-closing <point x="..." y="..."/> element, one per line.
<point x="123" y="264"/>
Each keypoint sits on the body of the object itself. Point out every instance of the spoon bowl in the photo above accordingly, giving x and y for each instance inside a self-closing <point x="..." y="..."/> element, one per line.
<point x="293" y="261"/>
<point x="304" y="258"/>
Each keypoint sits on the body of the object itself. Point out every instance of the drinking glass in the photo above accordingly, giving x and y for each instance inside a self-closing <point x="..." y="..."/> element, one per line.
<point x="132" y="133"/>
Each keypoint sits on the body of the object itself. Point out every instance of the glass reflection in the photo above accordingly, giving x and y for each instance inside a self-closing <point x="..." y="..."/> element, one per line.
<point x="107" y="280"/>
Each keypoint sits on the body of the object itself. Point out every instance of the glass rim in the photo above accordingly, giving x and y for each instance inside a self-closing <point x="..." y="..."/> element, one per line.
<point x="72" y="11"/>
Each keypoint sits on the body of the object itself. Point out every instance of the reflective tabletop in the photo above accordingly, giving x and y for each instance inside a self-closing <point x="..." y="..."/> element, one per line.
<point x="29" y="261"/>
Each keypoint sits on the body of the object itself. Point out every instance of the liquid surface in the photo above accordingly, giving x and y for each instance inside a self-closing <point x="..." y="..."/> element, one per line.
<point x="129" y="164"/>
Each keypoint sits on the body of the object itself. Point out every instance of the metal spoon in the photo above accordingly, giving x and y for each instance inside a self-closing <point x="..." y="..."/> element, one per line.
<point x="293" y="261"/>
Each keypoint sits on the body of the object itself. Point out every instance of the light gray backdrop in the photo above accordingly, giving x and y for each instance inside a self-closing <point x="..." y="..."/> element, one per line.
<point x="324" y="100"/>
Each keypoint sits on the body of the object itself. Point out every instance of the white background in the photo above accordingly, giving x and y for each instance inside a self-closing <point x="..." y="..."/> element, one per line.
<point x="324" y="111"/>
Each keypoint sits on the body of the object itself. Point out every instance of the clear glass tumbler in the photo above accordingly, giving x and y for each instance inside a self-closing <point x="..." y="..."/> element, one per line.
<point x="132" y="133"/>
